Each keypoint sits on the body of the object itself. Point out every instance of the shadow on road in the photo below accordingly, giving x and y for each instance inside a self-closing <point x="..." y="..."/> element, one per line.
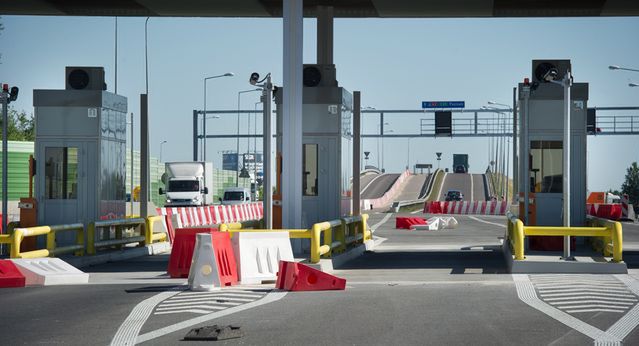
<point x="486" y="261"/>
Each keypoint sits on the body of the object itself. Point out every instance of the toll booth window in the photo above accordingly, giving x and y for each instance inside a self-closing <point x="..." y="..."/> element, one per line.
<point x="61" y="173"/>
<point x="309" y="180"/>
<point x="546" y="166"/>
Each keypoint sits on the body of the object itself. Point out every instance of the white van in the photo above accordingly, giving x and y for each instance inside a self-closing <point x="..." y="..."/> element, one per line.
<point x="236" y="195"/>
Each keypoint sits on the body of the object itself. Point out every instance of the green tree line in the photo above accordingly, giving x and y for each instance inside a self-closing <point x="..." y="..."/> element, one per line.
<point x="20" y="126"/>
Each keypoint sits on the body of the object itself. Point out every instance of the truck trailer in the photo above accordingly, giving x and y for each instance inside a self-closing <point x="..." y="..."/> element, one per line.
<point x="460" y="163"/>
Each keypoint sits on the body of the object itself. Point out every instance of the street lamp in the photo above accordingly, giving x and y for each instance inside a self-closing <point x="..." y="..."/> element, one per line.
<point x="408" y="156"/>
<point x="389" y="131"/>
<point x="633" y="85"/>
<point x="379" y="129"/>
<point x="616" y="67"/>
<point x="228" y="74"/>
<point x="237" y="143"/>
<point x="161" y="144"/>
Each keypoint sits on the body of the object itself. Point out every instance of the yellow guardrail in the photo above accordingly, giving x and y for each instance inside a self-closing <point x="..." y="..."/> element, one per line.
<point x="19" y="233"/>
<point x="120" y="239"/>
<point x="345" y="231"/>
<point x="150" y="236"/>
<point x="609" y="232"/>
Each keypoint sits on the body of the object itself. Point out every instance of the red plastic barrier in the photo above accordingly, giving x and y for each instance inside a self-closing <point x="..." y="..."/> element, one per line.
<point x="549" y="243"/>
<point x="405" y="222"/>
<point x="182" y="251"/>
<point x="609" y="211"/>
<point x="435" y="207"/>
<point x="10" y="276"/>
<point x="225" y="258"/>
<point x="294" y="276"/>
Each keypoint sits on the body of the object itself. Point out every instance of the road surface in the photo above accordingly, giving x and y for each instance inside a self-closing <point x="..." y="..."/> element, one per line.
<point x="412" y="187"/>
<point x="466" y="183"/>
<point x="379" y="186"/>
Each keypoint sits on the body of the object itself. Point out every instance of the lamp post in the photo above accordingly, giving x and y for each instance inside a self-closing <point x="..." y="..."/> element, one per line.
<point x="633" y="85"/>
<point x="389" y="131"/>
<point x="408" y="156"/>
<point x="616" y="67"/>
<point x="379" y="129"/>
<point x="228" y="74"/>
<point x="237" y="142"/>
<point x="161" y="144"/>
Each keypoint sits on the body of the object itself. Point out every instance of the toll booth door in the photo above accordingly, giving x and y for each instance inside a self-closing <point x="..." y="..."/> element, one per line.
<point x="320" y="182"/>
<point x="61" y="175"/>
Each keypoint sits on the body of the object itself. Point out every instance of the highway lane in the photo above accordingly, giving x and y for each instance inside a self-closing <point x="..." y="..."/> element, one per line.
<point x="380" y="186"/>
<point x="412" y="187"/>
<point x="366" y="179"/>
<point x="466" y="183"/>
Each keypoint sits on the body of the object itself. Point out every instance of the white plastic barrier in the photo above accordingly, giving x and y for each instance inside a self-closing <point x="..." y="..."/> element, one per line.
<point x="49" y="272"/>
<point x="204" y="273"/>
<point x="437" y="223"/>
<point x="258" y="255"/>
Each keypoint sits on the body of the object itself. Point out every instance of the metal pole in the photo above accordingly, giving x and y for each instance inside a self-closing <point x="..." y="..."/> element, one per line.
<point x="515" y="162"/>
<point x="237" y="143"/>
<point x="567" y="83"/>
<point x="266" y="144"/>
<point x="5" y="148"/>
<point x="131" y="193"/>
<point x="525" y="146"/>
<point x="195" y="135"/>
<point x="507" y="165"/>
<point x="204" y="125"/>
<point x="357" y="120"/>
<point x="116" y="56"/>
<point x="144" y="156"/>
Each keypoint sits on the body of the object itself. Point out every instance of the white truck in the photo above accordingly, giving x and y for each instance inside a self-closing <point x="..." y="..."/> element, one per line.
<point x="188" y="184"/>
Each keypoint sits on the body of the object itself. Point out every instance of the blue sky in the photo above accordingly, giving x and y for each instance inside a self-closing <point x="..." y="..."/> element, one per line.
<point x="395" y="63"/>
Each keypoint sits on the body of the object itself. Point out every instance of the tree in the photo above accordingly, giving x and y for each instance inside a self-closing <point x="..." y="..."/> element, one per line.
<point x="631" y="185"/>
<point x="20" y="126"/>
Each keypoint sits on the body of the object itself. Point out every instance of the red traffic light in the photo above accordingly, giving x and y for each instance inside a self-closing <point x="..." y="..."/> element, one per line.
<point x="5" y="87"/>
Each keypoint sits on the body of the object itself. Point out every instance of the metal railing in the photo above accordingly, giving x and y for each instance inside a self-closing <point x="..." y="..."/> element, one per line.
<point x="15" y="240"/>
<point x="326" y="237"/>
<point x="120" y="239"/>
<point x="609" y="232"/>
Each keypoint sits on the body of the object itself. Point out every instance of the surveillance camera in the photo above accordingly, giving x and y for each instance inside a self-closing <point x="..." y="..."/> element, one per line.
<point x="550" y="75"/>
<point x="254" y="78"/>
<point x="13" y="94"/>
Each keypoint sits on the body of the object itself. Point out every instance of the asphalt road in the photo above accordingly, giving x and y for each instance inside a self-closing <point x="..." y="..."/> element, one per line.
<point x="465" y="183"/>
<point x="379" y="186"/>
<point x="366" y="179"/>
<point x="412" y="187"/>
<point x="416" y="288"/>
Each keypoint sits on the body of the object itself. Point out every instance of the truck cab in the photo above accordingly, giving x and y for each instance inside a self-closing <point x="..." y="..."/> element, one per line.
<point x="187" y="183"/>
<point x="235" y="196"/>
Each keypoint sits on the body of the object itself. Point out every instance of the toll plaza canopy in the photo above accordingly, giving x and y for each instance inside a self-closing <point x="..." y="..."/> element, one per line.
<point x="341" y="8"/>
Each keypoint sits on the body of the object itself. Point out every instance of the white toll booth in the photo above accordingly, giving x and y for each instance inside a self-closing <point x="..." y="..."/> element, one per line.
<point x="80" y="151"/>
<point x="541" y="105"/>
<point x="327" y="153"/>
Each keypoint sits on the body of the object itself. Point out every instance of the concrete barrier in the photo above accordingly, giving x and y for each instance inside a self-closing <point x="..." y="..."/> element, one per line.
<point x="49" y="271"/>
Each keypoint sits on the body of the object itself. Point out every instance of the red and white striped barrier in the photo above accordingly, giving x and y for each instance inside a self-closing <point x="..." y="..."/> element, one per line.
<point x="467" y="207"/>
<point x="210" y="215"/>
<point x="624" y="206"/>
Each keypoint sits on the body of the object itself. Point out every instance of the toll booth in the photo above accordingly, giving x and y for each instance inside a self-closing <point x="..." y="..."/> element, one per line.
<point x="80" y="151"/>
<point x="327" y="154"/>
<point x="541" y="106"/>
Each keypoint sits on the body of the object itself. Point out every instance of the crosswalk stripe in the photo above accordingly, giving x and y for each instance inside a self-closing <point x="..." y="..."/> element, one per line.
<point x="594" y="310"/>
<point x="236" y="295"/>
<point x="204" y="299"/>
<point x="627" y="295"/>
<point x="579" y="284"/>
<point x="249" y="292"/>
<point x="561" y="304"/>
<point x="579" y="289"/>
<point x="196" y="311"/>
<point x="614" y="299"/>
<point x="194" y="304"/>
<point x="207" y="301"/>
<point x="207" y="306"/>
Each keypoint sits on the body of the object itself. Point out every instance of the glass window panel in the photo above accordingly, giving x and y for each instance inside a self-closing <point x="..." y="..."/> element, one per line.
<point x="309" y="180"/>
<point x="61" y="173"/>
<point x="546" y="166"/>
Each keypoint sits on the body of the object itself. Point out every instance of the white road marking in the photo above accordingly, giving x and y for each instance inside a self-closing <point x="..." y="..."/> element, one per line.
<point x="195" y="311"/>
<point x="200" y="306"/>
<point x="488" y="222"/>
<point x="128" y="331"/>
<point x="269" y="298"/>
<point x="623" y="300"/>
<point x="526" y="293"/>
<point x="416" y="211"/>
<point x="173" y="304"/>
<point x="472" y="192"/>
<point x="383" y="220"/>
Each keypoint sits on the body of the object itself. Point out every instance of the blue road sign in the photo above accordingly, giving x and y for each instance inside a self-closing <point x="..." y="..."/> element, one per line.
<point x="443" y="104"/>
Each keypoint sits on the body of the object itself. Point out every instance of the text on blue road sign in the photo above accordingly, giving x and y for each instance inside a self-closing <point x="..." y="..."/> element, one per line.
<point x="443" y="104"/>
